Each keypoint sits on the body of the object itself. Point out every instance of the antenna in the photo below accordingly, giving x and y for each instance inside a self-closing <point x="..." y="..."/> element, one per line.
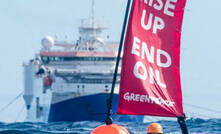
<point x="92" y="18"/>
<point x="92" y="11"/>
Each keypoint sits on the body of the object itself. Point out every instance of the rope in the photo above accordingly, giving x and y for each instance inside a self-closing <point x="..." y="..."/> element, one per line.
<point x="19" y="114"/>
<point x="197" y="115"/>
<point x="203" y="108"/>
<point x="11" y="102"/>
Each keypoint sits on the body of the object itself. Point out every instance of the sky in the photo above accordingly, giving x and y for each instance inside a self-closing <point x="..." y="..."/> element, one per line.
<point x="23" y="23"/>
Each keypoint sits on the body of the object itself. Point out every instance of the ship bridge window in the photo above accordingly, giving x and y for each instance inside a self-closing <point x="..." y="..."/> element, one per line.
<point x="57" y="58"/>
<point x="47" y="59"/>
<point x="51" y="58"/>
<point x="89" y="58"/>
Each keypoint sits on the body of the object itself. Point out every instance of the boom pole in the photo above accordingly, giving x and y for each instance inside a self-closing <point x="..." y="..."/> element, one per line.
<point x="182" y="123"/>
<point x="109" y="101"/>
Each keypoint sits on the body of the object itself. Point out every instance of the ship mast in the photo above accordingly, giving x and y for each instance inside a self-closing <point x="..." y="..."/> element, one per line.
<point x="92" y="18"/>
<point x="92" y="15"/>
<point x="90" y="32"/>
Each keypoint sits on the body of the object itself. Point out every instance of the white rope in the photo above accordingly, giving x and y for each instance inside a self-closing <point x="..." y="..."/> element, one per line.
<point x="11" y="102"/>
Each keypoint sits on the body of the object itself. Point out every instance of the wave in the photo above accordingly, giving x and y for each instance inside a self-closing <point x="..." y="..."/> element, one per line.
<point x="195" y="126"/>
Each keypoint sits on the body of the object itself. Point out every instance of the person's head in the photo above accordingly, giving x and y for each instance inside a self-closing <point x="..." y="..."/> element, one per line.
<point x="154" y="128"/>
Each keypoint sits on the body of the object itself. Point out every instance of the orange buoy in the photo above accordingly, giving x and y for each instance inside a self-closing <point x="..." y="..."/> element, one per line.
<point x="110" y="129"/>
<point x="155" y="128"/>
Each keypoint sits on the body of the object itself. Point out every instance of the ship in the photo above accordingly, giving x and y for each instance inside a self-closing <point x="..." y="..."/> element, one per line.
<point x="71" y="80"/>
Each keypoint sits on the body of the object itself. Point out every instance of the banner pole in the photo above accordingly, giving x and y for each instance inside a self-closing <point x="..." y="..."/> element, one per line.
<point x="182" y="123"/>
<point x="109" y="101"/>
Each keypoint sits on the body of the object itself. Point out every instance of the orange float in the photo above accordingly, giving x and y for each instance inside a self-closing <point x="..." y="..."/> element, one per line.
<point x="110" y="129"/>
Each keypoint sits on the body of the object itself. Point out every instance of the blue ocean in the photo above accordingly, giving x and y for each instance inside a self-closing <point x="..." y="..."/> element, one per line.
<point x="195" y="126"/>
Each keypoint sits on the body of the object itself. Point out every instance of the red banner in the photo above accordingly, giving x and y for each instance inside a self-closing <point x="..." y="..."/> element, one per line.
<point x="150" y="76"/>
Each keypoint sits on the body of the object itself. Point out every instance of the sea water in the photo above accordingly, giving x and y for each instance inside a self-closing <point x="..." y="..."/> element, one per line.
<point x="195" y="126"/>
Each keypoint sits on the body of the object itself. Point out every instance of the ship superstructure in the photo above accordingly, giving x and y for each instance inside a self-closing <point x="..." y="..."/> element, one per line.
<point x="71" y="81"/>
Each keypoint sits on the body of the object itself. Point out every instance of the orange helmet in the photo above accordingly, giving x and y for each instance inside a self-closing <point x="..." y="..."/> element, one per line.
<point x="155" y="128"/>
